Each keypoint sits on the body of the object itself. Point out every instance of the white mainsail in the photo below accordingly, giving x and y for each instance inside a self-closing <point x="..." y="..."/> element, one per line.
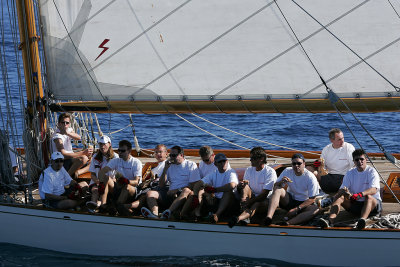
<point x="225" y="55"/>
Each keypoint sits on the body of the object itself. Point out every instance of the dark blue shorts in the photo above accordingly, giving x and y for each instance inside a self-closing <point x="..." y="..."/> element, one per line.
<point x="357" y="206"/>
<point x="292" y="203"/>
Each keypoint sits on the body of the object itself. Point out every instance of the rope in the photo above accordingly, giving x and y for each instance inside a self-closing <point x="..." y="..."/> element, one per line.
<point x="252" y="138"/>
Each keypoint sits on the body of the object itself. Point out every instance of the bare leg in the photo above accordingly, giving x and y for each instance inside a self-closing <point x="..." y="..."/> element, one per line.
<point x="369" y="204"/>
<point x="305" y="216"/>
<point x="335" y="208"/>
<point x="76" y="164"/>
<point x="226" y="200"/>
<point x="151" y="199"/>
<point x="188" y="204"/>
<point x="126" y="191"/>
<point x="277" y="196"/>
<point x="180" y="199"/>
<point x="109" y="187"/>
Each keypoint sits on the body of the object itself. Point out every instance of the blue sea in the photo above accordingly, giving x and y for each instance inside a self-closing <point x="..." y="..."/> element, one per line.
<point x="296" y="131"/>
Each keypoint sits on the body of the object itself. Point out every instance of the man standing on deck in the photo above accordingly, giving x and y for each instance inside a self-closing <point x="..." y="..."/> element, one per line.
<point x="52" y="184"/>
<point x="182" y="174"/>
<point x="299" y="198"/>
<point x="258" y="182"/>
<point x="128" y="175"/>
<point x="337" y="160"/>
<point x="62" y="139"/>
<point x="359" y="192"/>
<point x="206" y="165"/>
<point x="216" y="189"/>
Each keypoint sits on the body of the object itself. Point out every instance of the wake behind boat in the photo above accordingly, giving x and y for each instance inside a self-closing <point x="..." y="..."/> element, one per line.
<point x="194" y="57"/>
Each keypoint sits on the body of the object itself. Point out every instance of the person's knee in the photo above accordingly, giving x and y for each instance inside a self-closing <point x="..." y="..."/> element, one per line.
<point x="152" y="194"/>
<point x="185" y="192"/>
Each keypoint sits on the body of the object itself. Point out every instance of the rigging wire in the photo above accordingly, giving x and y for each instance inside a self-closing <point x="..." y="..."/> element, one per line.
<point x="333" y="99"/>
<point x="395" y="11"/>
<point x="80" y="58"/>
<point x="348" y="47"/>
<point x="216" y="136"/>
<point x="252" y="138"/>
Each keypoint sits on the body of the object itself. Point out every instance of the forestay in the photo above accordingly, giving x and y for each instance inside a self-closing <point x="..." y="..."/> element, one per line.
<point x="222" y="56"/>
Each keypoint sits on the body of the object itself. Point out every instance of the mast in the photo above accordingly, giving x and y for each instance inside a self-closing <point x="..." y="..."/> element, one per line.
<point x="36" y="115"/>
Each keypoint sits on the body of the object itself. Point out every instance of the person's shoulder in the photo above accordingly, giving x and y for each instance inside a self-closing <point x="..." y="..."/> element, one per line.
<point x="189" y="163"/>
<point x="349" y="146"/>
<point x="268" y="168"/>
<point x="57" y="135"/>
<point x="327" y="147"/>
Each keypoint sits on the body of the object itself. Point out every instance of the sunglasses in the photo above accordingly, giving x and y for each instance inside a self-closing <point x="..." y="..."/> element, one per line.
<point x="297" y="163"/>
<point x="173" y="155"/>
<point x="121" y="150"/>
<point x="359" y="159"/>
<point x="222" y="161"/>
<point x="65" y="122"/>
<point x="59" y="161"/>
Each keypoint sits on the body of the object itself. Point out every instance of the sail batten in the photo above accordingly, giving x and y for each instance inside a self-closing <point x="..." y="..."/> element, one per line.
<point x="180" y="55"/>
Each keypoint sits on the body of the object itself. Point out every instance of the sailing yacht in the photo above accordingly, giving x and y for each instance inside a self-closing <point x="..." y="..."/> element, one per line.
<point x="191" y="56"/>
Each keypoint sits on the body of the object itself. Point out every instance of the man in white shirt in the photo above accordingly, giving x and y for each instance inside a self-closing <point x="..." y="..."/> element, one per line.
<point x="62" y="143"/>
<point x="258" y="182"/>
<point x="337" y="159"/>
<point x="161" y="154"/>
<point x="128" y="174"/>
<point x="299" y="198"/>
<point x="362" y="182"/>
<point x="53" y="182"/>
<point x="181" y="174"/>
<point x="215" y="190"/>
<point x="206" y="164"/>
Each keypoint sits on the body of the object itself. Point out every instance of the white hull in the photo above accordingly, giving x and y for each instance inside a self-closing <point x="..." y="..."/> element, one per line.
<point x="117" y="236"/>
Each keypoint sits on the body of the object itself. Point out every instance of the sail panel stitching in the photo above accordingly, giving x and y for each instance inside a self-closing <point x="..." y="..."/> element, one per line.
<point x="289" y="49"/>
<point x="206" y="46"/>
<point x="348" y="47"/>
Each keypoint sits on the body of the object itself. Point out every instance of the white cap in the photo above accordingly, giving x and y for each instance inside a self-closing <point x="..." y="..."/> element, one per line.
<point x="57" y="155"/>
<point x="104" y="139"/>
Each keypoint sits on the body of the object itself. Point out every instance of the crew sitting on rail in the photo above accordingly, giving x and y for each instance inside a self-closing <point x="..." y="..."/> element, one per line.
<point x="299" y="198"/>
<point x="182" y="174"/>
<point x="128" y="175"/>
<point x="56" y="187"/>
<point x="100" y="159"/>
<point x="359" y="192"/>
<point x="206" y="165"/>
<point x="62" y="139"/>
<point x="258" y="182"/>
<point x="215" y="192"/>
<point x="152" y="183"/>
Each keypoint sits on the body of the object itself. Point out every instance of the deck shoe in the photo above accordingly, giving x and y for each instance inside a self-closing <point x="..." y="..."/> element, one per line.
<point x="361" y="224"/>
<point x="147" y="213"/>
<point x="166" y="214"/>
<point x="324" y="223"/>
<point x="232" y="221"/>
<point x="91" y="205"/>
<point x="267" y="221"/>
<point x="244" y="222"/>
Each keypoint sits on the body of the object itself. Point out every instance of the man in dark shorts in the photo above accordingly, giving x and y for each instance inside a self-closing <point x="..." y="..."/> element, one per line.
<point x="299" y="198"/>
<point x="182" y="175"/>
<point x="337" y="161"/>
<point x="364" y="200"/>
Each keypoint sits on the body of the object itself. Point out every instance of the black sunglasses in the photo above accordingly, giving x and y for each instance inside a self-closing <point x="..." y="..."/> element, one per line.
<point x="59" y="161"/>
<point x="121" y="150"/>
<point x="359" y="159"/>
<point x="65" y="122"/>
<point x="297" y="163"/>
<point x="173" y="155"/>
